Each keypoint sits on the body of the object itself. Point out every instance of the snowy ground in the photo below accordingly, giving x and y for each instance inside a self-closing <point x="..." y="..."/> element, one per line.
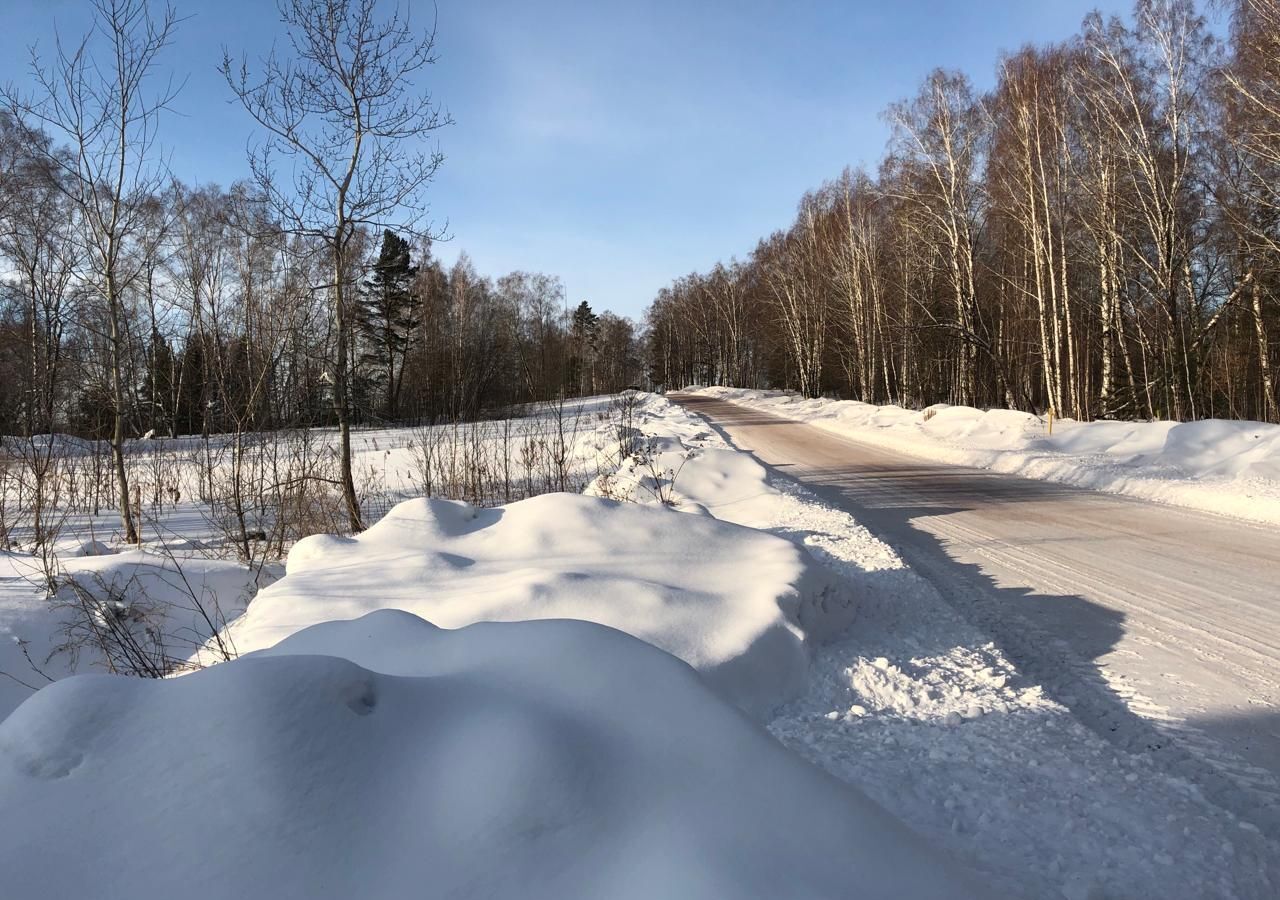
<point x="387" y="758"/>
<point x="582" y="761"/>
<point x="1227" y="467"/>
<point x="190" y="576"/>
<point x="588" y="763"/>
<point x="924" y="713"/>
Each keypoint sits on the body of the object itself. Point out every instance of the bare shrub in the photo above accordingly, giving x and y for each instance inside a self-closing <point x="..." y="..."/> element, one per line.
<point x="622" y="416"/>
<point x="651" y="476"/>
<point x="129" y="631"/>
<point x="305" y="494"/>
<point x="491" y="462"/>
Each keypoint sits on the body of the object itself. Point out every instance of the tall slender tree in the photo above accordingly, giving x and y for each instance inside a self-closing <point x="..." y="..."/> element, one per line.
<point x="344" y="111"/>
<point x="95" y="96"/>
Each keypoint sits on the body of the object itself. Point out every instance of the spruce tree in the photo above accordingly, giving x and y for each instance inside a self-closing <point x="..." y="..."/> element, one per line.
<point x="158" y="385"/>
<point x="586" y="329"/>
<point x="388" y="317"/>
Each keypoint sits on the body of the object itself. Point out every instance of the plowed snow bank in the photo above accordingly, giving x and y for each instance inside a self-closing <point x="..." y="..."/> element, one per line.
<point x="732" y="602"/>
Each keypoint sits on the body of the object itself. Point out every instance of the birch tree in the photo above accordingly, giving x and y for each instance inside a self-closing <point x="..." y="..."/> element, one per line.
<point x="97" y="97"/>
<point x="939" y="132"/>
<point x="344" y="125"/>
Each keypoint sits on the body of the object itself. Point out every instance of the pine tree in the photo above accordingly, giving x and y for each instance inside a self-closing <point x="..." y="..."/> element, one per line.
<point x="586" y="329"/>
<point x="193" y="395"/>
<point x="388" y="317"/>
<point x="157" y="384"/>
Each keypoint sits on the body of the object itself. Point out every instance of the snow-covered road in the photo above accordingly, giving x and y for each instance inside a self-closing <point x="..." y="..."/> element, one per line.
<point x="1159" y="627"/>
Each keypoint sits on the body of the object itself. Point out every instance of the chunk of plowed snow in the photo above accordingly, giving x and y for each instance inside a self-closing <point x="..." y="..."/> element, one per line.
<point x="732" y="602"/>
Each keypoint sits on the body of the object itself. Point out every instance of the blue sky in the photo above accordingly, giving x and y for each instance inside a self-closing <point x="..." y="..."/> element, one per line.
<point x="616" y="144"/>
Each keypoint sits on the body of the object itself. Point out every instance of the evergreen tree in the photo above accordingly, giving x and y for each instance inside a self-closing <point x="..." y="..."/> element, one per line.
<point x="157" y="385"/>
<point x="586" y="331"/>
<point x="192" y="395"/>
<point x="388" y="317"/>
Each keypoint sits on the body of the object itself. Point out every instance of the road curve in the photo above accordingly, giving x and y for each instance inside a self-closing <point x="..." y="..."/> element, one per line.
<point x="1158" y="626"/>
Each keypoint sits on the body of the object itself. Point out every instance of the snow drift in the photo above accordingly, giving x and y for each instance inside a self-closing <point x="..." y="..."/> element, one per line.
<point x="386" y="757"/>
<point x="734" y="603"/>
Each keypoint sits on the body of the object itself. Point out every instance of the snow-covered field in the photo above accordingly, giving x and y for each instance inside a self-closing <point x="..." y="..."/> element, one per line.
<point x="383" y="756"/>
<point x="192" y="573"/>
<point x="1227" y="467"/>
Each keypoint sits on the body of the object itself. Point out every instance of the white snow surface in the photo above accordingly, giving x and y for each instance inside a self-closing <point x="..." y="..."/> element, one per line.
<point x="186" y="597"/>
<point x="1220" y="466"/>
<point x="383" y="756"/>
<point x="916" y="706"/>
<point x="736" y="604"/>
<point x="387" y="758"/>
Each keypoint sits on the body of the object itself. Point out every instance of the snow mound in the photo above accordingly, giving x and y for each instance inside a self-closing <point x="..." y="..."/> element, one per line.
<point x="726" y="484"/>
<point x="386" y="757"/>
<point x="1219" y="447"/>
<point x="89" y="548"/>
<point x="734" y="603"/>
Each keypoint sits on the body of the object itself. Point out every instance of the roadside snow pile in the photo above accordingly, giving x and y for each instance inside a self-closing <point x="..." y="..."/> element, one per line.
<point x="735" y="604"/>
<point x="1227" y="467"/>
<point x="386" y="757"/>
<point x="684" y="464"/>
<point x="173" y="606"/>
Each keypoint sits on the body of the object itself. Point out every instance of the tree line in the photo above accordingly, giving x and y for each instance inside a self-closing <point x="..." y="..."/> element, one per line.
<point x="224" y="327"/>
<point x="1097" y="236"/>
<point x="306" y="294"/>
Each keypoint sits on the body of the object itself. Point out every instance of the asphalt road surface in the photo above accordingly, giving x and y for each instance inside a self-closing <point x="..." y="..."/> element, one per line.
<point x="1159" y="627"/>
